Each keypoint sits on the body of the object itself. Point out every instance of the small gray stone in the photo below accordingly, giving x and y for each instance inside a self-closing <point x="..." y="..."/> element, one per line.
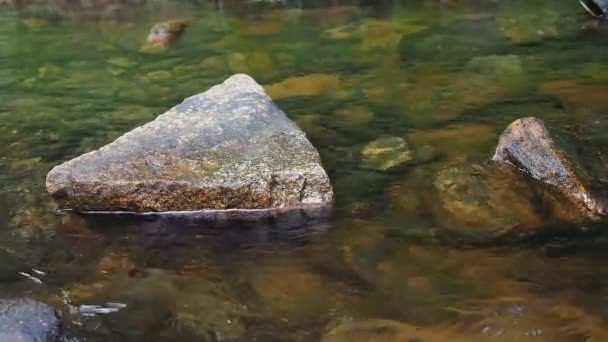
<point x="228" y="148"/>
<point x="24" y="320"/>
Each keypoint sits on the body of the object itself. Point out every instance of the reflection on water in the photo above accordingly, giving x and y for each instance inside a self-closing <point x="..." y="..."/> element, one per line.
<point x="414" y="249"/>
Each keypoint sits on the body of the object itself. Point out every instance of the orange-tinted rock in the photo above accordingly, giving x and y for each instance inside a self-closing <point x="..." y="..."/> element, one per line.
<point x="164" y="34"/>
<point x="484" y="202"/>
<point x="457" y="140"/>
<point x="575" y="94"/>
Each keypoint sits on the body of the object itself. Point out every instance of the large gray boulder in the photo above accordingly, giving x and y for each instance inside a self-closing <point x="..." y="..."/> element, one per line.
<point x="557" y="159"/>
<point x="230" y="147"/>
<point x="24" y="320"/>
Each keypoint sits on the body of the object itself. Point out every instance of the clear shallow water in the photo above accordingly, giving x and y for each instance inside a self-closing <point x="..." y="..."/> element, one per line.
<point x="446" y="78"/>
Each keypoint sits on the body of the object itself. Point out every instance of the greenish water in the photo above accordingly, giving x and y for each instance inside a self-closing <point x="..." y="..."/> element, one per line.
<point x="391" y="264"/>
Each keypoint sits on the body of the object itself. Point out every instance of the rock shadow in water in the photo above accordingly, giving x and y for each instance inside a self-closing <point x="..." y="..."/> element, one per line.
<point x="235" y="227"/>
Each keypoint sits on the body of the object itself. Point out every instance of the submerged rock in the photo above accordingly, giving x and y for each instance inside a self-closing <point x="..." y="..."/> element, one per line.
<point x="437" y="94"/>
<point x="386" y="154"/>
<point x="209" y="315"/>
<point x="258" y="63"/>
<point x="506" y="69"/>
<point x="150" y="304"/>
<point x="377" y="34"/>
<point x="289" y="291"/>
<point x="339" y="33"/>
<point x="484" y="201"/>
<point x="228" y="148"/>
<point x="529" y="145"/>
<point x="456" y="140"/>
<point x="10" y="265"/>
<point x="533" y="23"/>
<point x="575" y="94"/>
<point x="164" y="34"/>
<point x="386" y="330"/>
<point x="355" y="115"/>
<point x="25" y="320"/>
<point x="308" y="85"/>
<point x="461" y="45"/>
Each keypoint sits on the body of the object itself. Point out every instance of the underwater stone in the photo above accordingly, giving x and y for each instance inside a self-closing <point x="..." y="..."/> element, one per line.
<point x="25" y="320"/>
<point x="578" y="95"/>
<point x="308" y="85"/>
<point x="484" y="202"/>
<point x="209" y="313"/>
<point x="230" y="147"/>
<point x="10" y="265"/>
<point x="386" y="330"/>
<point x="505" y="68"/>
<point x="529" y="29"/>
<point x="288" y="289"/>
<point x="149" y="301"/>
<point x="529" y="145"/>
<point x="386" y="153"/>
<point x="355" y="115"/>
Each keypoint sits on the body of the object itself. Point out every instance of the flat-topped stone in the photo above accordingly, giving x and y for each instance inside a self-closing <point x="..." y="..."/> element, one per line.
<point x="230" y="147"/>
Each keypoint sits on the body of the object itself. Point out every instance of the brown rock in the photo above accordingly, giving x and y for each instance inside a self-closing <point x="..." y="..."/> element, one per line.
<point x="574" y="94"/>
<point x="308" y="85"/>
<point x="457" y="140"/>
<point x="529" y="145"/>
<point x="290" y="291"/>
<point x="164" y="34"/>
<point x="386" y="331"/>
<point x="484" y="201"/>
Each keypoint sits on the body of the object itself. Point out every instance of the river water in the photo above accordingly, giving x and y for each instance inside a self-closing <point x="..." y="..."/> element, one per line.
<point x="390" y="264"/>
